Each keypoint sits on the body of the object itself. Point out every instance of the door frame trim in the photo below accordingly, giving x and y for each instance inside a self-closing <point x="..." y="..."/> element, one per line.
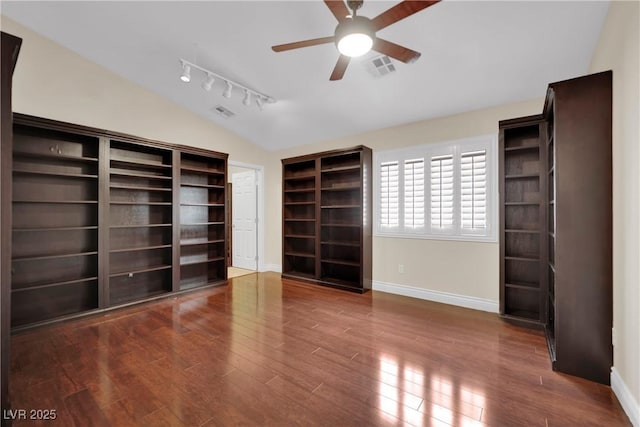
<point x="260" y="191"/>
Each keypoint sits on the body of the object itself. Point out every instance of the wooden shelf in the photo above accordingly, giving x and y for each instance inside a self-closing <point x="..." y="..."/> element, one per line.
<point x="340" y="207"/>
<point x="198" y="243"/>
<point x="301" y="190"/>
<point x="344" y="188"/>
<point x="300" y="254"/>
<point x="522" y="148"/>
<point x="139" y="175"/>
<point x="521" y="258"/>
<point x="38" y="229"/>
<point x="142" y="163"/>
<point x="341" y="225"/>
<point x="511" y="230"/>
<point x="215" y="205"/>
<point x="44" y="257"/>
<point x="143" y="203"/>
<point x="300" y="178"/>
<point x="60" y="202"/>
<point x="526" y="286"/>
<point x="299" y="203"/>
<point x="202" y="170"/>
<point x="55" y="284"/>
<point x="299" y="219"/>
<point x="59" y="174"/>
<point x="340" y="243"/>
<point x="204" y="261"/>
<point x="191" y="224"/>
<point x="522" y="203"/>
<point x="340" y="262"/>
<point x="522" y="176"/>
<point x="299" y="236"/>
<point x="139" y="188"/>
<point x="186" y="184"/>
<point x="141" y="248"/>
<point x="139" y="271"/>
<point x="54" y="156"/>
<point x="140" y="225"/>
<point x="340" y="169"/>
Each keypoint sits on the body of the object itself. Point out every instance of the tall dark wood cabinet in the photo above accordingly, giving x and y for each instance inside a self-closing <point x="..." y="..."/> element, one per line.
<point x="9" y="52"/>
<point x="326" y="218"/>
<point x="102" y="219"/>
<point x="572" y="222"/>
<point x="578" y="113"/>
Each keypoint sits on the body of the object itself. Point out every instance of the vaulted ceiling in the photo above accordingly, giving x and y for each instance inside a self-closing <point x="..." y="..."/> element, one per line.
<point x="475" y="54"/>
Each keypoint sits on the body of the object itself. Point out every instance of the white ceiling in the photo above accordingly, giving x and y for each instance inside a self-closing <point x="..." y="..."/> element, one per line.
<point x="475" y="54"/>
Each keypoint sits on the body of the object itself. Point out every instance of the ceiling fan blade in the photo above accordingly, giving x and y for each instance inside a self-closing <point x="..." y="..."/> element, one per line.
<point x="304" y="43"/>
<point x="395" y="51"/>
<point x="399" y="12"/>
<point x="340" y="68"/>
<point x="338" y="8"/>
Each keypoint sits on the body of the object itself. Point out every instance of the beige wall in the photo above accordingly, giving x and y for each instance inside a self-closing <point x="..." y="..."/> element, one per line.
<point x="618" y="49"/>
<point x="428" y="264"/>
<point x="56" y="83"/>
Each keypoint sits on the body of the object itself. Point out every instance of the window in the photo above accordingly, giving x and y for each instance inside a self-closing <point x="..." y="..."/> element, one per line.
<point x="442" y="191"/>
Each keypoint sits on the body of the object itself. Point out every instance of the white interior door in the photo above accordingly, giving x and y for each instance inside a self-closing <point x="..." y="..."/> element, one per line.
<point x="243" y="220"/>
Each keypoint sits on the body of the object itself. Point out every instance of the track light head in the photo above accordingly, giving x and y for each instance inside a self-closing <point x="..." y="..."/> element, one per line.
<point x="247" y="98"/>
<point x="227" y="91"/>
<point x="208" y="83"/>
<point x="259" y="102"/>
<point x="186" y="73"/>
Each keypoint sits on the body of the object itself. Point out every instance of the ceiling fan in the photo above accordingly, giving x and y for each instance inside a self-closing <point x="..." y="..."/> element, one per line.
<point x="356" y="35"/>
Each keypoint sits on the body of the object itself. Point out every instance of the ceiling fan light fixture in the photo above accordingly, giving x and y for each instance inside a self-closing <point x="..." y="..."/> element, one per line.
<point x="354" y="36"/>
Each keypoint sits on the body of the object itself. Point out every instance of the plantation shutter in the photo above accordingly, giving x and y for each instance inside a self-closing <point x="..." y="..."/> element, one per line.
<point x="414" y="194"/>
<point x="389" y="193"/>
<point x="442" y="193"/>
<point x="473" y="190"/>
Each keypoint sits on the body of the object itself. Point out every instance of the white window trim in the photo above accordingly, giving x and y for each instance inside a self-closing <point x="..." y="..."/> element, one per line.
<point x="426" y="151"/>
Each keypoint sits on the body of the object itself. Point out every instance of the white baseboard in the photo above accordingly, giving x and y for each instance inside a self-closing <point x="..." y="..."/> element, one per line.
<point x="626" y="399"/>
<point x="271" y="267"/>
<point x="437" y="296"/>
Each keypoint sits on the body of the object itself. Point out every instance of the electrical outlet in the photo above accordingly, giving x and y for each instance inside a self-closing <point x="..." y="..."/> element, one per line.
<point x="401" y="268"/>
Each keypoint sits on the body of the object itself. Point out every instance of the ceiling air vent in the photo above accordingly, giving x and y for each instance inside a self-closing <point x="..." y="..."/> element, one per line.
<point x="224" y="112"/>
<point x="381" y="66"/>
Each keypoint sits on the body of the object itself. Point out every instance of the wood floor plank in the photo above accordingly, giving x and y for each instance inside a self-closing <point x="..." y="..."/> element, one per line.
<point x="267" y="351"/>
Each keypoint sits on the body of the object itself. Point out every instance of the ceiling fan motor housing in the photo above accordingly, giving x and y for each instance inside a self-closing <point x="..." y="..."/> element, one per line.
<point x="354" y="25"/>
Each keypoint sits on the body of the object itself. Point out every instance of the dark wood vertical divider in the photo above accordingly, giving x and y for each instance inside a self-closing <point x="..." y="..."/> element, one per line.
<point x="9" y="51"/>
<point x="100" y="217"/>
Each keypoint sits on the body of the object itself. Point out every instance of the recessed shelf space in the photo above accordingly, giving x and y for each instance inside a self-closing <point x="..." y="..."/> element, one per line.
<point x="137" y="285"/>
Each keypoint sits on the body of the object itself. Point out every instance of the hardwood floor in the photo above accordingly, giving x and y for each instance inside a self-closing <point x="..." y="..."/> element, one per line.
<point x="263" y="351"/>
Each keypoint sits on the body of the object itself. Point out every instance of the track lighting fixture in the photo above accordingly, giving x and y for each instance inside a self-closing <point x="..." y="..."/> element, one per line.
<point x="186" y="73"/>
<point x="227" y="91"/>
<point x="247" y="98"/>
<point x="211" y="77"/>
<point x="208" y="84"/>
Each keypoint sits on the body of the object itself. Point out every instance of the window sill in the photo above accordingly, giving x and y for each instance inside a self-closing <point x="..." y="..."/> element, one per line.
<point x="476" y="239"/>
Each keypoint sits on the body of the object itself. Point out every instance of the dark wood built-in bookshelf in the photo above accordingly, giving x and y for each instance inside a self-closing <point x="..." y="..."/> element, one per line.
<point x="556" y="224"/>
<point x="522" y="221"/>
<point x="103" y="219"/>
<point x="327" y="219"/>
